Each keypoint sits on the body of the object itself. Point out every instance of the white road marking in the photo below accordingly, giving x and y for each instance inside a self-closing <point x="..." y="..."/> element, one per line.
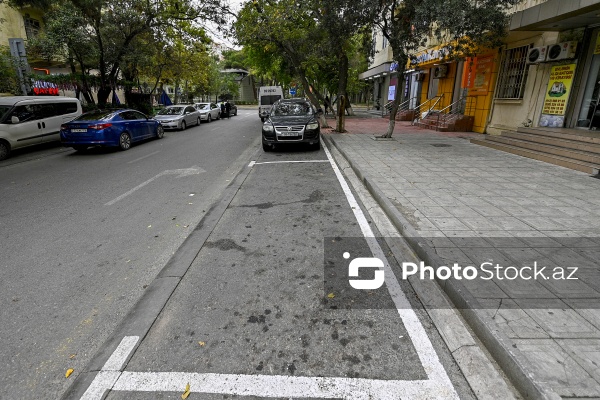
<point x="438" y="385"/>
<point x="118" y="358"/>
<point x="141" y="158"/>
<point x="429" y="359"/>
<point x="195" y="170"/>
<point x="251" y="164"/>
<point x="264" y="386"/>
<point x="291" y="162"/>
<point x="111" y="370"/>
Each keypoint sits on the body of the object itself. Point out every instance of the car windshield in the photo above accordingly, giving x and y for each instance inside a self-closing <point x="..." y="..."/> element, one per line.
<point x="283" y="109"/>
<point x="171" y="111"/>
<point x="203" y="106"/>
<point x="95" y="116"/>
<point x="3" y="111"/>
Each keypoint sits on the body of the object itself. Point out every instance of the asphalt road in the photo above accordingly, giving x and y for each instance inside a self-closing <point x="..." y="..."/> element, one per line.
<point x="199" y="259"/>
<point x="84" y="234"/>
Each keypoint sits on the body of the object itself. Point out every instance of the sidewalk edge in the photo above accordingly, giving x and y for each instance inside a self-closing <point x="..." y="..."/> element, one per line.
<point x="509" y="359"/>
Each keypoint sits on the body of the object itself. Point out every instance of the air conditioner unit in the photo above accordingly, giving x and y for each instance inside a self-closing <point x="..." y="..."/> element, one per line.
<point x="561" y="51"/>
<point x="440" y="71"/>
<point x="537" y="55"/>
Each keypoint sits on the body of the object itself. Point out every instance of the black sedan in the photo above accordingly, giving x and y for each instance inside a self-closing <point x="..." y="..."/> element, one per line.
<point x="292" y="121"/>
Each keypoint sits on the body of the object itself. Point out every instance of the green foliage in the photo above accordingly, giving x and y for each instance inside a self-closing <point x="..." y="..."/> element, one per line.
<point x="9" y="81"/>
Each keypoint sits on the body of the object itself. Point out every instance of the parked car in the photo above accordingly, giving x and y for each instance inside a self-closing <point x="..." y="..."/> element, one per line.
<point x="208" y="111"/>
<point x="178" y="117"/>
<point x="30" y="120"/>
<point x="110" y="128"/>
<point x="291" y="121"/>
<point x="232" y="109"/>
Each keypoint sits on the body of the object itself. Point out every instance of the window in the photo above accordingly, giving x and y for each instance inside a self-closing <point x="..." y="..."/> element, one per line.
<point x="65" y="108"/>
<point x="32" y="26"/>
<point x="269" y="100"/>
<point x="24" y="113"/>
<point x="513" y="73"/>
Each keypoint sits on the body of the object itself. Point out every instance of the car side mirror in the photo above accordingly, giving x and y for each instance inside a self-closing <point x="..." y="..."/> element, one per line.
<point x="14" y="119"/>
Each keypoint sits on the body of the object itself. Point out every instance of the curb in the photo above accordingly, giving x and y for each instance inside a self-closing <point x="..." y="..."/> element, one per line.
<point x="510" y="359"/>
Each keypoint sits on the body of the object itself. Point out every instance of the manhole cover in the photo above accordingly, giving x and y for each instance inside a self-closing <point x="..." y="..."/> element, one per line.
<point x="441" y="145"/>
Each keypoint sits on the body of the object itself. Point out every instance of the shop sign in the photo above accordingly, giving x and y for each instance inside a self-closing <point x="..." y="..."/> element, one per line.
<point x="392" y="89"/>
<point x="483" y="76"/>
<point x="431" y="55"/>
<point x="557" y="95"/>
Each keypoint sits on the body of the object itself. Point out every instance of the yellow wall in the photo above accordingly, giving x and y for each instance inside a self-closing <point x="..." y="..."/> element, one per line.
<point x="13" y="25"/>
<point x="481" y="104"/>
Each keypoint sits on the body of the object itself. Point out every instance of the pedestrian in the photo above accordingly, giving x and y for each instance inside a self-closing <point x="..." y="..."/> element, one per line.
<point x="326" y="104"/>
<point x="222" y="109"/>
<point x="228" y="108"/>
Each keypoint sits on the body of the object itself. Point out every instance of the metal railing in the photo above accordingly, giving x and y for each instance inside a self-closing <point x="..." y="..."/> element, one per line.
<point x="447" y="115"/>
<point x="426" y="108"/>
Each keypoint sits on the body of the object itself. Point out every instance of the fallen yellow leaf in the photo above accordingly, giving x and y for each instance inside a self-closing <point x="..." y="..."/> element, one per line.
<point x="69" y="372"/>
<point x="331" y="295"/>
<point x="72" y="356"/>
<point x="187" y="392"/>
<point x="201" y="343"/>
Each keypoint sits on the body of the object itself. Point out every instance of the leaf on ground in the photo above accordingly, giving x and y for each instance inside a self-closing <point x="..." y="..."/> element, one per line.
<point x="69" y="372"/>
<point x="202" y="343"/>
<point x="187" y="392"/>
<point x="72" y="356"/>
<point x="330" y="295"/>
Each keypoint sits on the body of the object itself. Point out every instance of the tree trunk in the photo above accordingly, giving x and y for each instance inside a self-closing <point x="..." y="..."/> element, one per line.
<point x="311" y="96"/>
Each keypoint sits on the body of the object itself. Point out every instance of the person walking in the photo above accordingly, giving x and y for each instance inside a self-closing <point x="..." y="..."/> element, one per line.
<point x="222" y="110"/>
<point x="326" y="104"/>
<point x="228" y="109"/>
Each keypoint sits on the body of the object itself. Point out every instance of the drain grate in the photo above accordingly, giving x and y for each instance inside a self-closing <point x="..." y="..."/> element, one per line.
<point x="441" y="145"/>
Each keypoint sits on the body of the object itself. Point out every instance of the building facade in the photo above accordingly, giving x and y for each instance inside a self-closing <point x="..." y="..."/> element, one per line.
<point x="547" y="74"/>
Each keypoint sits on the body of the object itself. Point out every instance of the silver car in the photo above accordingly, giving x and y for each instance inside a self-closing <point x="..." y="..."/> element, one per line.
<point x="178" y="117"/>
<point x="208" y="111"/>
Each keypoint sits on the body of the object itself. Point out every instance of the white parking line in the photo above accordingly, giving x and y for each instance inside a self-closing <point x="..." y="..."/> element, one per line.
<point x="438" y="384"/>
<point x="291" y="162"/>
<point x="429" y="359"/>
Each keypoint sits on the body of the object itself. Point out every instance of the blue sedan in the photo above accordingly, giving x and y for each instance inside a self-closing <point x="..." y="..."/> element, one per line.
<point x="109" y="128"/>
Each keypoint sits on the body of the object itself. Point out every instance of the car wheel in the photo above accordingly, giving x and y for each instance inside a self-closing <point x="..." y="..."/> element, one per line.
<point x="125" y="141"/>
<point x="80" y="148"/>
<point x="316" y="146"/>
<point x="267" y="147"/>
<point x="160" y="132"/>
<point x="262" y="119"/>
<point x="198" y="121"/>
<point x="4" y="150"/>
<point x="183" y="126"/>
<point x="235" y="113"/>
<point x="209" y="118"/>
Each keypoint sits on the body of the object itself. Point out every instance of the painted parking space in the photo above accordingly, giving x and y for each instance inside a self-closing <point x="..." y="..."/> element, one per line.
<point x="248" y="318"/>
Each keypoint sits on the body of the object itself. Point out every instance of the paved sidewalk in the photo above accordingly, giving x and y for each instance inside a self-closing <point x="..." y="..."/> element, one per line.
<point x="469" y="204"/>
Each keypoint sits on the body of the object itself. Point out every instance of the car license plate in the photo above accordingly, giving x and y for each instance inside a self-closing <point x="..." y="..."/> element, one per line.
<point x="288" y="134"/>
<point x="78" y="130"/>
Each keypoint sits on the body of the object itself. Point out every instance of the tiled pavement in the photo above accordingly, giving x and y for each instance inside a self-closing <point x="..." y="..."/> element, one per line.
<point x="473" y="204"/>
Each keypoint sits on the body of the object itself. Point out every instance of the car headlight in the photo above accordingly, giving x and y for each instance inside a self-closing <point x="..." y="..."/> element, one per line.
<point x="268" y="128"/>
<point x="312" y="125"/>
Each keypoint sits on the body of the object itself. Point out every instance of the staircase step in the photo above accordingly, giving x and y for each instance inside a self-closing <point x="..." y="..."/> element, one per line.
<point x="538" y="155"/>
<point x="563" y="141"/>
<point x="579" y="155"/>
<point x="571" y="134"/>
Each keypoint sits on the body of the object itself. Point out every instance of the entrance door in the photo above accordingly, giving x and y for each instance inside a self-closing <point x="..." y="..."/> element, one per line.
<point x="589" y="115"/>
<point x="415" y="90"/>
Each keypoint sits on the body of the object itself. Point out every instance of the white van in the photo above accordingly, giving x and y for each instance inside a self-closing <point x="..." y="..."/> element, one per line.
<point x="29" y="120"/>
<point x="267" y="96"/>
